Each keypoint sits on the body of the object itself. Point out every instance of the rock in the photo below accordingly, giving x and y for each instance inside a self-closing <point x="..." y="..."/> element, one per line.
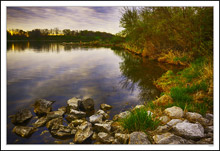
<point x="163" y="100"/>
<point x="24" y="131"/>
<point x="209" y="135"/>
<point x="174" y="112"/>
<point x="62" y="131"/>
<point x="204" y="121"/>
<point x="74" y="115"/>
<point x="83" y="132"/>
<point x="40" y="122"/>
<point x="54" y="114"/>
<point x="21" y="116"/>
<point x="63" y="108"/>
<point x="42" y="106"/>
<point x="164" y="119"/>
<point x="97" y="143"/>
<point x="97" y="118"/>
<point x="138" y="107"/>
<point x="122" y="138"/>
<point x="72" y="104"/>
<point x="209" y="129"/>
<point x="209" y="116"/>
<point x="205" y="141"/>
<point x="169" y="138"/>
<point x="45" y="131"/>
<point x="189" y="130"/>
<point x="99" y="127"/>
<point x="105" y="138"/>
<point x="78" y="114"/>
<point x="94" y="136"/>
<point x="138" y="138"/>
<point x="162" y="129"/>
<point x="71" y="143"/>
<point x="192" y="116"/>
<point x="86" y="105"/>
<point x="73" y="131"/>
<point x="116" y="141"/>
<point x="116" y="127"/>
<point x="77" y="122"/>
<point x="54" y="122"/>
<point x="105" y="115"/>
<point x="174" y="122"/>
<point x="121" y="115"/>
<point x="105" y="107"/>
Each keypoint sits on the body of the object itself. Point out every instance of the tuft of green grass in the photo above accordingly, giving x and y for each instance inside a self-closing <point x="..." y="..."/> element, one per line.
<point x="139" y="120"/>
<point x="183" y="59"/>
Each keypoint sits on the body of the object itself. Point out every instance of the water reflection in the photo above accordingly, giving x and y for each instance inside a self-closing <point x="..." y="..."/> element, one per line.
<point x="56" y="72"/>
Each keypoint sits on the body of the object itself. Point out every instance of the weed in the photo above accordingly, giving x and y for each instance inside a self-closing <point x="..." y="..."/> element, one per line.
<point x="139" y="120"/>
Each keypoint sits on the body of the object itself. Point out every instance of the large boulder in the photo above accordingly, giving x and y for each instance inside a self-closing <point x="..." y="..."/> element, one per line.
<point x="84" y="131"/>
<point x="97" y="118"/>
<point x="105" y="138"/>
<point x="174" y="112"/>
<point x="72" y="104"/>
<point x="102" y="127"/>
<point x="138" y="138"/>
<point x="42" y="106"/>
<point x="169" y="138"/>
<point x="86" y="104"/>
<point x="24" y="131"/>
<point x="21" y="116"/>
<point x="189" y="130"/>
<point x="105" y="107"/>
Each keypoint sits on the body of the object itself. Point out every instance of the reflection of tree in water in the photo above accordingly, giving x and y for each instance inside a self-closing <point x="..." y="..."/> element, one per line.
<point x="140" y="72"/>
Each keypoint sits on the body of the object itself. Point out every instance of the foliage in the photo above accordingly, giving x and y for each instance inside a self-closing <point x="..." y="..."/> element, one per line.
<point x="183" y="29"/>
<point x="139" y="120"/>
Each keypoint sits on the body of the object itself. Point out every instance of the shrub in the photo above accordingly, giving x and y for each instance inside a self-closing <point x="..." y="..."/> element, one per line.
<point x="139" y="120"/>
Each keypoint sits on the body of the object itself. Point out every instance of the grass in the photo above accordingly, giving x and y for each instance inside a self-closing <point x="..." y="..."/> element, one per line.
<point x="139" y="120"/>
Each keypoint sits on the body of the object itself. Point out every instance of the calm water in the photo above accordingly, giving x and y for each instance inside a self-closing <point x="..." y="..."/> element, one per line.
<point x="56" y="72"/>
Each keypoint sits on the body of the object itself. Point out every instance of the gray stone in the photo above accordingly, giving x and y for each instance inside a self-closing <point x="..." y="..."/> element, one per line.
<point x="209" y="116"/>
<point x="21" y="116"/>
<point x="116" y="127"/>
<point x="54" y="114"/>
<point x="121" y="115"/>
<point x="105" y="115"/>
<point x="162" y="129"/>
<point x="101" y="127"/>
<point x="62" y="131"/>
<point x="86" y="104"/>
<point x="94" y="136"/>
<point x="174" y="122"/>
<point x="76" y="122"/>
<point x="189" y="130"/>
<point x="122" y="138"/>
<point x="105" y="138"/>
<point x="84" y="131"/>
<point x="105" y="107"/>
<point x="164" y="119"/>
<point x="138" y="138"/>
<point x="72" y="104"/>
<point x="63" y="108"/>
<point x="74" y="115"/>
<point x="192" y="116"/>
<point x="54" y="122"/>
<point x="40" y="122"/>
<point x="205" y="141"/>
<point x="97" y="118"/>
<point x="209" y="129"/>
<point x="24" y="131"/>
<point x="169" y="138"/>
<point x="42" y="106"/>
<point x="174" y="112"/>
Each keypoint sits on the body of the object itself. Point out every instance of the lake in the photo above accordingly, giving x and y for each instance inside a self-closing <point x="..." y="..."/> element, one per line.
<point x="59" y="72"/>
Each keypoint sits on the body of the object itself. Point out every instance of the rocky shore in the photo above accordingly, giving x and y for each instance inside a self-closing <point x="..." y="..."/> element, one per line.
<point x="176" y="126"/>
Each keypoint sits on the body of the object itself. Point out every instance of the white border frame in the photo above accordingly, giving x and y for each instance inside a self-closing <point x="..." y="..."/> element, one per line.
<point x="4" y="146"/>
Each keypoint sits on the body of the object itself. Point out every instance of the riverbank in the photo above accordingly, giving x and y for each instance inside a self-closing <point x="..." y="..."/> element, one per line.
<point x="87" y="126"/>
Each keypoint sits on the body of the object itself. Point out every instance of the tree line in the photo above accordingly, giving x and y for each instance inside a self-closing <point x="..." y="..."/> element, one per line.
<point x="62" y="35"/>
<point x="157" y="29"/>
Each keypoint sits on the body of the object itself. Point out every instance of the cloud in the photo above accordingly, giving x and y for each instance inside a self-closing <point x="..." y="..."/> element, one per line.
<point x="74" y="18"/>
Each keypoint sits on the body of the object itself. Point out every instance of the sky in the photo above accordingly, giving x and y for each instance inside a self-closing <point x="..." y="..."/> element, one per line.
<point x="105" y="19"/>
